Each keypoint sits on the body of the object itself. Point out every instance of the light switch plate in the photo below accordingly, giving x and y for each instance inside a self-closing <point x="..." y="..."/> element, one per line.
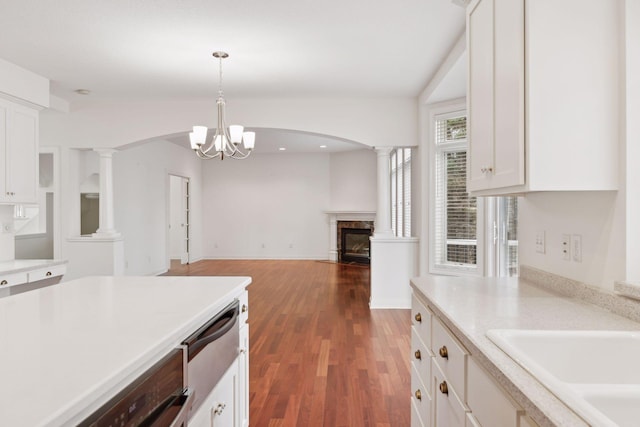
<point x="540" y="243"/>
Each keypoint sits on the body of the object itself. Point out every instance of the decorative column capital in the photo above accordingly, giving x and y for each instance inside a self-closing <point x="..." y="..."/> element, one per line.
<point x="105" y="152"/>
<point x="384" y="151"/>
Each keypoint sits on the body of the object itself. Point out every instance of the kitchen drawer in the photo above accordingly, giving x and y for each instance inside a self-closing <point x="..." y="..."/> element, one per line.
<point x="489" y="403"/>
<point x="448" y="407"/>
<point x="450" y="356"/>
<point x="421" y="320"/>
<point x="416" y="420"/>
<point x="421" y="359"/>
<point x="419" y="396"/>
<point x="13" y="279"/>
<point x="244" y="308"/>
<point x="472" y="421"/>
<point x="47" y="273"/>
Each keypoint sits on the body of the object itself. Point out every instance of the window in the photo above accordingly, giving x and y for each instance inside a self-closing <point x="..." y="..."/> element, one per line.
<point x="456" y="214"/>
<point x="459" y="222"/>
<point x="401" y="192"/>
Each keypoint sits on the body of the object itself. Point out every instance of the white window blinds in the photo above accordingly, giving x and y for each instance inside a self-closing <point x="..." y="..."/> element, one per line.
<point x="455" y="240"/>
<point x="401" y="192"/>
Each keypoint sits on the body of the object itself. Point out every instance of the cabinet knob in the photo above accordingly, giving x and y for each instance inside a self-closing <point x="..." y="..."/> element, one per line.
<point x="48" y="273"/>
<point x="418" y="317"/>
<point x="444" y="352"/>
<point x="219" y="408"/>
<point x="488" y="169"/>
<point x="418" y="395"/>
<point x="244" y="308"/>
<point x="418" y="355"/>
<point x="4" y="282"/>
<point x="443" y="388"/>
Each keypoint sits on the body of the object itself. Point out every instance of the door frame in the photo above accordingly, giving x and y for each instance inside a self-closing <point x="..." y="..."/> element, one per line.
<point x="170" y="197"/>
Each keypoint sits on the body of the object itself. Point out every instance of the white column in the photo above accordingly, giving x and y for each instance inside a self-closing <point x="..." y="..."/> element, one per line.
<point x="383" y="215"/>
<point x="333" y="237"/>
<point x="106" y="227"/>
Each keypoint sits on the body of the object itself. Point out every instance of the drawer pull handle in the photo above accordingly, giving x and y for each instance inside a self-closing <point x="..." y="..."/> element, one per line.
<point x="444" y="352"/>
<point x="443" y="388"/>
<point x="418" y="395"/>
<point x="418" y="317"/>
<point x="418" y="355"/>
<point x="4" y="282"/>
<point x="244" y="308"/>
<point x="48" y="273"/>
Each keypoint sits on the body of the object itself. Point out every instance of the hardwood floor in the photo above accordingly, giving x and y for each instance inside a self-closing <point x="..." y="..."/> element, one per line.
<point x="319" y="356"/>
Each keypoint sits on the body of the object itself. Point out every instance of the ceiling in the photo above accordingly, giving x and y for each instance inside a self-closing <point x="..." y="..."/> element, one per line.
<point x="151" y="49"/>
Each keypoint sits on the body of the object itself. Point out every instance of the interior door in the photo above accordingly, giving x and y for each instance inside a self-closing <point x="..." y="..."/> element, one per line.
<point x="179" y="218"/>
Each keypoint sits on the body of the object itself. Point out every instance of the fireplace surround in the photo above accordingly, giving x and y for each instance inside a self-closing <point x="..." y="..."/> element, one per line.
<point x="353" y="241"/>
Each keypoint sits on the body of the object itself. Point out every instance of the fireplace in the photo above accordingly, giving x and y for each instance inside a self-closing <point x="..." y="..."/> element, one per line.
<point x="353" y="241"/>
<point x="355" y="245"/>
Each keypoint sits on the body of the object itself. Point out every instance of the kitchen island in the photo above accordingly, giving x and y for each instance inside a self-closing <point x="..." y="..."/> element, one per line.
<point x="68" y="349"/>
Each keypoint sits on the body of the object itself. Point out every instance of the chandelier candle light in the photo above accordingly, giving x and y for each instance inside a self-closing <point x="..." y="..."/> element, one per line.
<point x="226" y="140"/>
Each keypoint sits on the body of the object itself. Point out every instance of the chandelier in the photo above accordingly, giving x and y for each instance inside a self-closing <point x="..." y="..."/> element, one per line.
<point x="226" y="141"/>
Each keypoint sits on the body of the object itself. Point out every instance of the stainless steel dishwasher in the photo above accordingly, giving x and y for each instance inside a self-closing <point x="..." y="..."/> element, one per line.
<point x="210" y="352"/>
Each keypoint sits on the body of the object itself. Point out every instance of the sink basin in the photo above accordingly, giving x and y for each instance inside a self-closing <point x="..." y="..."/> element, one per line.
<point x="593" y="372"/>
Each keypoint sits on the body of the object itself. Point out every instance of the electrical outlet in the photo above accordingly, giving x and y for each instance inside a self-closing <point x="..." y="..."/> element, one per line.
<point x="566" y="247"/>
<point x="540" y="245"/>
<point x="576" y="247"/>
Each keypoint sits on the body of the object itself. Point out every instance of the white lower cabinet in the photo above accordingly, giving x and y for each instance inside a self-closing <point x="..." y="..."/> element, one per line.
<point x="491" y="405"/>
<point x="220" y="408"/>
<point x="454" y="390"/>
<point x="243" y="376"/>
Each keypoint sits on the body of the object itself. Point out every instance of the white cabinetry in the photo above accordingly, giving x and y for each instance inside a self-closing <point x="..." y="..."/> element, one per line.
<point x="449" y="388"/>
<point x="19" y="153"/>
<point x="243" y="363"/>
<point x="219" y="409"/>
<point x="421" y="398"/>
<point x="543" y="96"/>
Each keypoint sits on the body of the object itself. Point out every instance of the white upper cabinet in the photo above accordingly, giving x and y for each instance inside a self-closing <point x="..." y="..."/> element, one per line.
<point x="543" y="95"/>
<point x="19" y="149"/>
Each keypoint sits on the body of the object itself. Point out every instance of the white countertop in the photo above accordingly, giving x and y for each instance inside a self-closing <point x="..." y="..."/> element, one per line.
<point x="471" y="306"/>
<point x="65" y="350"/>
<point x="20" y="265"/>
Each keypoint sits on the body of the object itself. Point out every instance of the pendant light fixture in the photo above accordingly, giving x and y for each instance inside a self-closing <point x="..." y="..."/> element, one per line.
<point x="230" y="141"/>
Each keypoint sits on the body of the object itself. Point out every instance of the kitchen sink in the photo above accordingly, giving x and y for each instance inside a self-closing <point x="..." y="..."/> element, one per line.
<point x="593" y="372"/>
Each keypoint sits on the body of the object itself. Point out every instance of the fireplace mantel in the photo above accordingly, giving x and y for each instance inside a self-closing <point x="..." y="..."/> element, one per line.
<point x="334" y="217"/>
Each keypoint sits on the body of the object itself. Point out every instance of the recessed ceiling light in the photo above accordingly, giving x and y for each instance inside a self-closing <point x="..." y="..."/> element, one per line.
<point x="282" y="149"/>
<point x="323" y="146"/>
<point x="82" y="91"/>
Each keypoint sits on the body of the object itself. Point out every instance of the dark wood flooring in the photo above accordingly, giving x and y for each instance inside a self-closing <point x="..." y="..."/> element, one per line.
<point x="318" y="356"/>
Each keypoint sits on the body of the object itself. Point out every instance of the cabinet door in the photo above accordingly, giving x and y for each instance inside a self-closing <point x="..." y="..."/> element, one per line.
<point x="496" y="113"/>
<point x="22" y="155"/>
<point x="509" y="101"/>
<point x="3" y="153"/>
<point x="480" y="94"/>
<point x="243" y="377"/>
<point x="224" y="400"/>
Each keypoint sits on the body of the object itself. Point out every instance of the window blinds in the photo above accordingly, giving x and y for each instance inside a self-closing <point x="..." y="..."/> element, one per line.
<point x="401" y="192"/>
<point x="456" y="212"/>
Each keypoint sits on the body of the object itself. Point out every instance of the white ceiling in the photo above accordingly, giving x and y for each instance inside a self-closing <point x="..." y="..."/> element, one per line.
<point x="278" y="48"/>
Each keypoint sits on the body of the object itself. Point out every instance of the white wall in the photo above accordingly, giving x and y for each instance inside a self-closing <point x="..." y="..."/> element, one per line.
<point x="267" y="206"/>
<point x="279" y="200"/>
<point x="7" y="247"/>
<point x="353" y="178"/>
<point x="103" y="124"/>
<point x="609" y="222"/>
<point x="598" y="217"/>
<point x="141" y="195"/>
